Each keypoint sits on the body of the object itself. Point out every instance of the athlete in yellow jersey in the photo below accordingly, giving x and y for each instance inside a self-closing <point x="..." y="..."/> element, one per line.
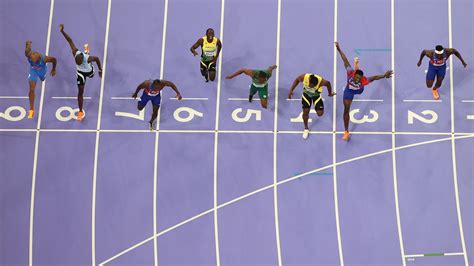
<point x="210" y="50"/>
<point x="312" y="88"/>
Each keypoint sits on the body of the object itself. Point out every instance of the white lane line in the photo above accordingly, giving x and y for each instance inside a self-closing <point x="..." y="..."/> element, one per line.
<point x="423" y="101"/>
<point x="125" y="98"/>
<point x="14" y="97"/>
<point x="453" y="143"/>
<point x="216" y="139"/>
<point x="37" y="139"/>
<point x="464" y="101"/>
<point x="157" y="136"/>
<point x="367" y="100"/>
<point x="243" y="99"/>
<point x="470" y="117"/>
<point x="275" y="136"/>
<point x="293" y="178"/>
<point x="394" y="154"/>
<point x="191" y="99"/>
<point x="434" y="255"/>
<point x="334" y="158"/>
<point x="230" y="131"/>
<point x="69" y="98"/>
<point x="97" y="135"/>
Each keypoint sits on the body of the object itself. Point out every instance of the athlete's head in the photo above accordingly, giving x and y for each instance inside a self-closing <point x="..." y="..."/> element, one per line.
<point x="35" y="56"/>
<point x="313" y="80"/>
<point x="358" y="75"/>
<point x="262" y="76"/>
<point x="156" y="85"/>
<point x="439" y="51"/>
<point x="79" y="58"/>
<point x="210" y="33"/>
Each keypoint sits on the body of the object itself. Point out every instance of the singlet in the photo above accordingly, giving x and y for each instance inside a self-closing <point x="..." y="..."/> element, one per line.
<point x="150" y="91"/>
<point x="312" y="91"/>
<point x="351" y="84"/>
<point x="438" y="61"/>
<point x="84" y="66"/>
<point x="39" y="66"/>
<point x="209" y="49"/>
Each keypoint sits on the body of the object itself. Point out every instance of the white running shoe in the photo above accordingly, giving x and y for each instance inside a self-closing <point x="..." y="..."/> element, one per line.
<point x="305" y="133"/>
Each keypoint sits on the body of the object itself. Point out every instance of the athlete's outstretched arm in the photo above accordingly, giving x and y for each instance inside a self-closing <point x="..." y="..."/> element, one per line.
<point x="28" y="49"/>
<point x="327" y="84"/>
<point x="140" y="86"/>
<point x="423" y="54"/>
<point x="271" y="68"/>
<point x="195" y="46"/>
<point x="97" y="61"/>
<point x="457" y="54"/>
<point x="343" y="56"/>
<point x="50" y="59"/>
<point x="387" y="75"/>
<point x="246" y="71"/>
<point x="68" y="39"/>
<point x="298" y="79"/>
<point x="171" y="84"/>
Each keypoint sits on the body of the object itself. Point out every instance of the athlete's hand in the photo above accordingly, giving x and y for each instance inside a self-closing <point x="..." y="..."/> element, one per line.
<point x="419" y="63"/>
<point x="337" y="45"/>
<point x="53" y="72"/>
<point x="214" y="60"/>
<point x="100" y="73"/>
<point x="290" y="95"/>
<point x="134" y="95"/>
<point x="61" y="27"/>
<point x="228" y="77"/>
<point x="464" y="64"/>
<point x="388" y="74"/>
<point x="331" y="94"/>
<point x="28" y="42"/>
<point x="178" y="96"/>
<point x="194" y="53"/>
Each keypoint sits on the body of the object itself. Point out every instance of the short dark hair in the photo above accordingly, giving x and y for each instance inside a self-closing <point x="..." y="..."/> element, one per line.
<point x="156" y="82"/>
<point x="209" y="30"/>
<point x="359" y="72"/>
<point x="313" y="80"/>
<point x="439" y="48"/>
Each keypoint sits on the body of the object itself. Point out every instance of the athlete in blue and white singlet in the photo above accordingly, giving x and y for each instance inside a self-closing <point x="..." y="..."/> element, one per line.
<point x="152" y="92"/>
<point x="84" y="70"/>
<point x="437" y="66"/>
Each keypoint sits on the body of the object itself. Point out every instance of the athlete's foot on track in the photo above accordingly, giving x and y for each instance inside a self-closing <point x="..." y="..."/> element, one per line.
<point x="80" y="116"/>
<point x="346" y="136"/>
<point x="151" y="125"/>
<point x="435" y="94"/>
<point x="305" y="133"/>
<point x="31" y="114"/>
<point x="250" y="98"/>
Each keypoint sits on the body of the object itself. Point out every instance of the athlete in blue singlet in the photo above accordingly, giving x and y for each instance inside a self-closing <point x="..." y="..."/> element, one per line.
<point x="437" y="66"/>
<point x="84" y="69"/>
<point x="152" y="92"/>
<point x="38" y="69"/>
<point x="355" y="85"/>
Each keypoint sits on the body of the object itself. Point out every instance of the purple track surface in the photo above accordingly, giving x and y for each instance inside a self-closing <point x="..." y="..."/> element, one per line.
<point x="223" y="181"/>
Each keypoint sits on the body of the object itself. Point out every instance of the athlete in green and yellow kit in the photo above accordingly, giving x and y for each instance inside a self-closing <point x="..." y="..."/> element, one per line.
<point x="211" y="48"/>
<point x="312" y="89"/>
<point x="259" y="82"/>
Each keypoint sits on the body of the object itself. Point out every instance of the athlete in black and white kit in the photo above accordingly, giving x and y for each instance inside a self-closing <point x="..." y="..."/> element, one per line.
<point x="84" y="69"/>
